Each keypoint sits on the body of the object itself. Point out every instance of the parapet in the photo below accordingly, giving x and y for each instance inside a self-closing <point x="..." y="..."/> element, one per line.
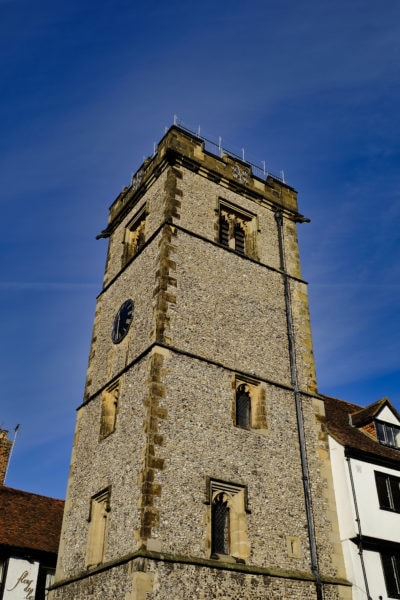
<point x="183" y="148"/>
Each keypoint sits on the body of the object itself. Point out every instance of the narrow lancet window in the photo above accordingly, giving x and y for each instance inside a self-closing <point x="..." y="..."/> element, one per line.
<point x="220" y="525"/>
<point x="243" y="407"/>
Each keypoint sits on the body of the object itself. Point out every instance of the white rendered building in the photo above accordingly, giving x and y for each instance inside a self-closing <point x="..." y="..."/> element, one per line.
<point x="365" y="454"/>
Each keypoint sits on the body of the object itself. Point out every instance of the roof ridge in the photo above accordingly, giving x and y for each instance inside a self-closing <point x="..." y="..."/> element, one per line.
<point x="6" y="488"/>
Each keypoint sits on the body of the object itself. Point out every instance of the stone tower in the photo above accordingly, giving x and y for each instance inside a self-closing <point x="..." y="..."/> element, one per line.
<point x="5" y="451"/>
<point x="200" y="466"/>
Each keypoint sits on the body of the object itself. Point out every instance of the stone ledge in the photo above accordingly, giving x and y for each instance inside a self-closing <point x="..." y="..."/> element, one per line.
<point x="202" y="562"/>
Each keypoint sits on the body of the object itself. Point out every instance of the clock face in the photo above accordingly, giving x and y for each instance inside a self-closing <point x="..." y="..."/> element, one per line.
<point x="122" y="321"/>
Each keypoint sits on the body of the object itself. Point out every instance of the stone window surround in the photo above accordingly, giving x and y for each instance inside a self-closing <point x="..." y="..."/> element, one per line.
<point x="238" y="217"/>
<point x="109" y="409"/>
<point x="258" y="418"/>
<point x="98" y="520"/>
<point x="134" y="235"/>
<point x="236" y="497"/>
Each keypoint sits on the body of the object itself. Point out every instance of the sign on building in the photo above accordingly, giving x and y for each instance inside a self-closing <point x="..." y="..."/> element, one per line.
<point x="21" y="580"/>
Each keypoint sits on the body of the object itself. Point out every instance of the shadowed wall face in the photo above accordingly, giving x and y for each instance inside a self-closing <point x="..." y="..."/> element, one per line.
<point x="5" y="449"/>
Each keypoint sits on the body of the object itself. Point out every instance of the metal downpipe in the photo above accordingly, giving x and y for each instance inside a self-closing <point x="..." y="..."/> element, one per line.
<point x="299" y="411"/>
<point x="360" y="542"/>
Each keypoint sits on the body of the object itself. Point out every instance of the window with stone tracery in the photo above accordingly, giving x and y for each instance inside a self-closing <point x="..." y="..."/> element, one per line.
<point x="237" y="230"/>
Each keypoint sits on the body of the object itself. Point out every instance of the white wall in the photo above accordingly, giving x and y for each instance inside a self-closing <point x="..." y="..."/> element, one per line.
<point x="344" y="497"/>
<point x="387" y="416"/>
<point x="376" y="523"/>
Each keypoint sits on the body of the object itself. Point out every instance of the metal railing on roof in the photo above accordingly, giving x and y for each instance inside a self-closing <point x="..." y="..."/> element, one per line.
<point x="218" y="149"/>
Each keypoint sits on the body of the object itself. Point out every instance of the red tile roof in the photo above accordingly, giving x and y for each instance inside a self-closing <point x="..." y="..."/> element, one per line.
<point x="29" y="521"/>
<point x="339" y="421"/>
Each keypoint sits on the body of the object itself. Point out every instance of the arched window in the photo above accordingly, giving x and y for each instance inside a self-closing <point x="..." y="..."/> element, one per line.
<point x="243" y="407"/>
<point x="239" y="238"/>
<point x="220" y="525"/>
<point x="223" y="231"/>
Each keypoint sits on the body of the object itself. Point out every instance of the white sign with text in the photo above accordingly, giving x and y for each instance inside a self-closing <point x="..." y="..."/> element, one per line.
<point x="21" y="580"/>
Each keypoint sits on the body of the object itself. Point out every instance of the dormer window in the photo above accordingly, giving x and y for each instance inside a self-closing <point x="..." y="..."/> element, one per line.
<point x="388" y="434"/>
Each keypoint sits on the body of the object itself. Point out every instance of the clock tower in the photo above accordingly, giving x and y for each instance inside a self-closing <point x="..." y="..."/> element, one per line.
<point x="200" y="465"/>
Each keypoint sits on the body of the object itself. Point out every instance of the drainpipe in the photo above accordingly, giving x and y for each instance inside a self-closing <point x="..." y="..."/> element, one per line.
<point x="358" y="521"/>
<point x="299" y="411"/>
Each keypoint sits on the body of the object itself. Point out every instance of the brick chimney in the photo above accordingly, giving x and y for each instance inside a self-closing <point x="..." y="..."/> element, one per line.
<point x="5" y="449"/>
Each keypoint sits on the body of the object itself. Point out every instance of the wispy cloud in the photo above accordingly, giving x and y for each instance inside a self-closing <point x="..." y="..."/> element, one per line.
<point x="87" y="89"/>
<point x="45" y="286"/>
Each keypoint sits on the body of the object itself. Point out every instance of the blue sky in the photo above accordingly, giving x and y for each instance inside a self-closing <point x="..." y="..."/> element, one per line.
<point x="87" y="88"/>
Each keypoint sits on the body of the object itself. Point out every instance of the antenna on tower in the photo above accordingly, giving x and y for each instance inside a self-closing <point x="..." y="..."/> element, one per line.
<point x="16" y="429"/>
<point x="264" y="167"/>
<point x="154" y="148"/>
<point x="243" y="154"/>
<point x="198" y="131"/>
<point x="175" y="119"/>
<point x="220" y="145"/>
<point x="283" y="176"/>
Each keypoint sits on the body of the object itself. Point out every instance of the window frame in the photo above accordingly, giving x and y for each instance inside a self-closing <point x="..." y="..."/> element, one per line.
<point x="388" y="490"/>
<point x="385" y="431"/>
<point x="391" y="572"/>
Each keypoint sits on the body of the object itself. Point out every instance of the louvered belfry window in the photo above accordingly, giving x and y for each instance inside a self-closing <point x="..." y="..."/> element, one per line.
<point x="239" y="238"/>
<point x="220" y="525"/>
<point x="223" y="231"/>
<point x="236" y="229"/>
<point x="243" y="407"/>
